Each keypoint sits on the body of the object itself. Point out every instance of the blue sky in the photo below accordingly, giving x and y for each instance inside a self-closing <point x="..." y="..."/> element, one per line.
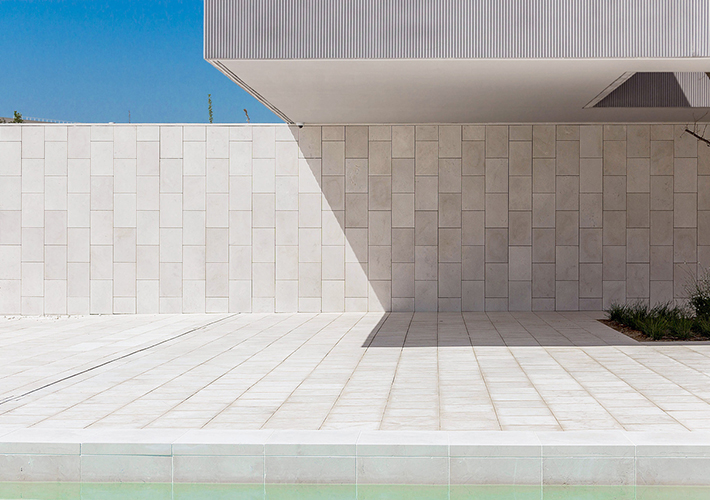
<point x="94" y="60"/>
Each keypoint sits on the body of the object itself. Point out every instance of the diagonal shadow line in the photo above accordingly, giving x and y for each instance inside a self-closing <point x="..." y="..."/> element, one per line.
<point x="124" y="356"/>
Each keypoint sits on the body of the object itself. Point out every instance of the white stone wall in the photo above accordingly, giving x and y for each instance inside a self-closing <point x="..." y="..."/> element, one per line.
<point x="147" y="219"/>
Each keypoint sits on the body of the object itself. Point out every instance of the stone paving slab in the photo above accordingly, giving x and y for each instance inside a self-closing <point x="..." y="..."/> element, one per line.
<point x="353" y="371"/>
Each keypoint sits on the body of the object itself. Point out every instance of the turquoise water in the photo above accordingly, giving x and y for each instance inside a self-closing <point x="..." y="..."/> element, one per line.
<point x="161" y="491"/>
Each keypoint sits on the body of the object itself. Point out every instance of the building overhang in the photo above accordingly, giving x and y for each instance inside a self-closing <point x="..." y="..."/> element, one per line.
<point x="437" y="61"/>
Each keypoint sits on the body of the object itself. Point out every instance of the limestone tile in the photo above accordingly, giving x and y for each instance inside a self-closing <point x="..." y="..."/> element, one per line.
<point x="77" y="280"/>
<point x="402" y="176"/>
<point x="590" y="141"/>
<point x="403" y="141"/>
<point x="217" y="244"/>
<point x="426" y="227"/>
<point x="614" y="158"/>
<point x="499" y="304"/>
<point x="380" y="228"/>
<point x="520" y="263"/>
<point x="309" y="245"/>
<point x="55" y="192"/>
<point x="286" y="192"/>
<point x="614" y="132"/>
<point x="124" y="244"/>
<point x="450" y="175"/>
<point x="11" y="256"/>
<point x="496" y="280"/>
<point x="170" y="279"/>
<point x="425" y="296"/>
<point x="78" y="142"/>
<point x="193" y="264"/>
<point x="683" y="274"/>
<point x="218" y="142"/>
<point x="426" y="193"/>
<point x="685" y="245"/>
<point x="590" y="280"/>
<point x="356" y="141"/>
<point x="497" y="210"/>
<point x="567" y="263"/>
<point x="473" y="227"/>
<point x="217" y="210"/>
<point x="171" y="245"/>
<point x="520" y="193"/>
<point x="496" y="176"/>
<point x="567" y="197"/>
<point x="567" y="229"/>
<point x="333" y="296"/>
<point x="520" y="296"/>
<point x="264" y="142"/>
<point x="240" y="227"/>
<point x="590" y="175"/>
<point x="638" y="140"/>
<point x="333" y="191"/>
<point x="11" y="225"/>
<point x="427" y="132"/>
<point x="590" y="210"/>
<point x="101" y="262"/>
<point x="240" y="296"/>
<point x="473" y="262"/>
<point x="425" y="263"/>
<point x="355" y="210"/>
<point x="543" y="282"/>
<point x="450" y="280"/>
<point x="685" y="210"/>
<point x="637" y="245"/>
<point x="380" y="263"/>
<point x="402" y="280"/>
<point x="264" y="244"/>
<point x="638" y="210"/>
<point x="590" y="245"/>
<point x="496" y="141"/>
<point x="124" y="281"/>
<point x="79" y="176"/>
<point x="309" y="141"/>
<point x="567" y="158"/>
<point x="55" y="157"/>
<point x="333" y="133"/>
<point x="496" y="245"/>
<point x="217" y="176"/>
<point x="637" y="281"/>
<point x="703" y="158"/>
<point x="170" y="141"/>
<point x="147" y="296"/>
<point x="403" y="210"/>
<point x="614" y="228"/>
<point x="286" y="159"/>
<point x="661" y="157"/>
<point x="703" y="258"/>
<point x="449" y="210"/>
<point x="403" y="245"/>
<point x="684" y="144"/>
<point x="125" y="180"/>
<point x="263" y="282"/>
<point x="474" y="132"/>
<point x="55" y="223"/>
<point x="661" y="132"/>
<point x="661" y="291"/>
<point x="101" y="192"/>
<point x="473" y="192"/>
<point x="356" y="245"/>
<point x="147" y="227"/>
<point x="614" y="192"/>
<point x="567" y="296"/>
<point x="543" y="243"/>
<point x="520" y="133"/>
<point x="544" y="142"/>
<point x="380" y="192"/>
<point x="543" y="210"/>
<point x="380" y="158"/>
<point x="332" y="229"/>
<point x="543" y="175"/>
<point x="520" y="228"/>
<point x="449" y="245"/>
<point x="614" y="262"/>
<point x="403" y="304"/>
<point x="473" y="158"/>
<point x="286" y="263"/>
<point x="309" y="280"/>
<point x="426" y="158"/>
<point x="521" y="158"/>
<point x="567" y="132"/>
<point x="450" y="141"/>
<point x="661" y="227"/>
<point x="264" y="178"/>
<point x="473" y="296"/>
<point x="704" y="192"/>
<point x="333" y="158"/>
<point x="101" y="228"/>
<point x="703" y="227"/>
<point x="685" y="175"/>
<point x="661" y="263"/>
<point x="662" y="192"/>
<point x="638" y="175"/>
<point x="32" y="207"/>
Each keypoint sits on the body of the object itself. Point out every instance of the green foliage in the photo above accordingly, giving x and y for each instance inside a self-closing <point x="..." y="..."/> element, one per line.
<point x="655" y="326"/>
<point x="681" y="325"/>
<point x="661" y="320"/>
<point x="702" y="325"/>
<point x="18" y="118"/>
<point x="209" y="107"/>
<point x="699" y="294"/>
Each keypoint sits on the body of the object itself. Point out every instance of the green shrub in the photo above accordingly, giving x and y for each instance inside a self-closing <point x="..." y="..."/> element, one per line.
<point x="699" y="294"/>
<point x="702" y="325"/>
<point x="655" y="326"/>
<point x="616" y="312"/>
<point x="681" y="325"/>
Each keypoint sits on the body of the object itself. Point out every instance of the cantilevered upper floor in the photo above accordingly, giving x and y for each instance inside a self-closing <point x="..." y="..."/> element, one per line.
<point x="397" y="61"/>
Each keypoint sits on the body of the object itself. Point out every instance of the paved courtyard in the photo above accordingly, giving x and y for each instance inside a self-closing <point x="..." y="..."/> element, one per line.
<point x="424" y="371"/>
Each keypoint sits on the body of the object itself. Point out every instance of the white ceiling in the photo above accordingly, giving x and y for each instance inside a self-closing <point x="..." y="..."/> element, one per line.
<point x="454" y="91"/>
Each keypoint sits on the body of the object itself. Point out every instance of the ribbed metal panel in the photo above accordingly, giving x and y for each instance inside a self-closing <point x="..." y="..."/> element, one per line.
<point x="660" y="90"/>
<point x="444" y="29"/>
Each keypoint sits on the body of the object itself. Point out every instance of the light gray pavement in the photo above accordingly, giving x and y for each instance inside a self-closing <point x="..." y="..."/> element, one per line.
<point x="395" y="371"/>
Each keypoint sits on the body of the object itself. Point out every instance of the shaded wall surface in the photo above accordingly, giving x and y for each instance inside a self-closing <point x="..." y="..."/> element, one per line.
<point x="148" y="219"/>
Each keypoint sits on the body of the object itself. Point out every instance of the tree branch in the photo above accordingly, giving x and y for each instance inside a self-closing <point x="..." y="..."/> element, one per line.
<point x="698" y="137"/>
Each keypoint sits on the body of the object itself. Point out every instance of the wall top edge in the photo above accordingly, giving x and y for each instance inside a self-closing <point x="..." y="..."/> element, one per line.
<point x="306" y="125"/>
